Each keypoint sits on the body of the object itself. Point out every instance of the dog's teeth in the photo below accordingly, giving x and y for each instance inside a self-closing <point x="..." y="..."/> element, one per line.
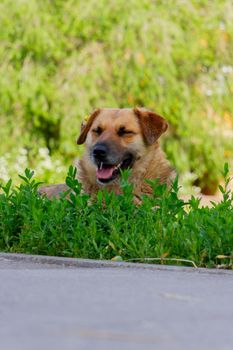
<point x="101" y="165"/>
<point x="118" y="166"/>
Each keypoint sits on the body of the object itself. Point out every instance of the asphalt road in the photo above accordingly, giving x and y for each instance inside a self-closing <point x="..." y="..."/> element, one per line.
<point x="45" y="305"/>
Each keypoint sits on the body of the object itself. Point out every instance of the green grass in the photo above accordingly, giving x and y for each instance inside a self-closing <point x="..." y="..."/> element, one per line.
<point x="163" y="226"/>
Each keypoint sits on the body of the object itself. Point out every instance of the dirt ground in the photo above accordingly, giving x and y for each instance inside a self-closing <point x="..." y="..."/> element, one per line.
<point x="207" y="200"/>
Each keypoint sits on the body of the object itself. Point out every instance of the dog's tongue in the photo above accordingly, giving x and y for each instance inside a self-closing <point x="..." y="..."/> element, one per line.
<point x="105" y="173"/>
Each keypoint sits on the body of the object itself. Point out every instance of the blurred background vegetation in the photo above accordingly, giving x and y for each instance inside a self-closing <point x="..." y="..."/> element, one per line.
<point x="61" y="59"/>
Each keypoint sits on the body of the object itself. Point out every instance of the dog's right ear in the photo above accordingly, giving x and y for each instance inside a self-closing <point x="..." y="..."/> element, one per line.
<point x="85" y="127"/>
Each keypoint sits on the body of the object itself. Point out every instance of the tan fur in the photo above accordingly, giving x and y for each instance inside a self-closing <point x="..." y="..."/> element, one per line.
<point x="150" y="162"/>
<point x="153" y="166"/>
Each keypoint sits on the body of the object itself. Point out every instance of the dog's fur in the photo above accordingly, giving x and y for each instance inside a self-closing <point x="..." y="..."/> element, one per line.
<point x="129" y="138"/>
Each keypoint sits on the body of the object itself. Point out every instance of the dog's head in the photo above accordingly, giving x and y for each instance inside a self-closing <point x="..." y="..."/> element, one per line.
<point x="117" y="138"/>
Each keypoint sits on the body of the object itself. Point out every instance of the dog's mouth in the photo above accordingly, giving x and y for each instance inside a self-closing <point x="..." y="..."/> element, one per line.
<point x="108" y="172"/>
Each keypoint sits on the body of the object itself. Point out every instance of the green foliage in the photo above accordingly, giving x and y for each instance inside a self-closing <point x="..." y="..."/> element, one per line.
<point x="112" y="226"/>
<point x="61" y="59"/>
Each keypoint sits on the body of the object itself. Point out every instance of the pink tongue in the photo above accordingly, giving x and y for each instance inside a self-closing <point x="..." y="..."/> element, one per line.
<point x="104" y="173"/>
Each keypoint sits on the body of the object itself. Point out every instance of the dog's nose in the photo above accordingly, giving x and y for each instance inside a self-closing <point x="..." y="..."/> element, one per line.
<point x="100" y="151"/>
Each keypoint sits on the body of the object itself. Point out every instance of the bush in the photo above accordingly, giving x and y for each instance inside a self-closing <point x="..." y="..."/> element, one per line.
<point x="61" y="59"/>
<point x="163" y="227"/>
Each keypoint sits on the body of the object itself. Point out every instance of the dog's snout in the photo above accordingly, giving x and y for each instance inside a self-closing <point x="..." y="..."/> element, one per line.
<point x="100" y="151"/>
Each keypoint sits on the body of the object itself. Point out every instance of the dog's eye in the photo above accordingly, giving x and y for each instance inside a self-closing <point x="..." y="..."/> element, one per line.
<point x="123" y="131"/>
<point x="97" y="130"/>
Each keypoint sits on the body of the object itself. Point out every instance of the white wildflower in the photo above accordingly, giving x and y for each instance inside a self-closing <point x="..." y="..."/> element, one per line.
<point x="209" y="92"/>
<point x="227" y="69"/>
<point x="43" y="152"/>
<point x="4" y="166"/>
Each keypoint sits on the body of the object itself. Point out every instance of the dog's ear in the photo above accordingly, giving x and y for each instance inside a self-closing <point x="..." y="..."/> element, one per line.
<point x="85" y="127"/>
<point x="152" y="124"/>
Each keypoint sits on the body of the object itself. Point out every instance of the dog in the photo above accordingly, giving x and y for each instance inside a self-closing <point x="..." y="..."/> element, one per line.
<point x="118" y="139"/>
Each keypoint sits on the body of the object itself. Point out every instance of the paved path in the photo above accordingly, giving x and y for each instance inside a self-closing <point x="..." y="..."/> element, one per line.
<point x="54" y="304"/>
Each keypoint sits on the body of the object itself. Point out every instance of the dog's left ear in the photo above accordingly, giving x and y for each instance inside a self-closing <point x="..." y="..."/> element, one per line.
<point x="152" y="124"/>
<point x="85" y="127"/>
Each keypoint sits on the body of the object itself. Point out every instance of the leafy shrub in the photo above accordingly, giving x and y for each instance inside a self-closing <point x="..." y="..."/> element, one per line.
<point x="61" y="59"/>
<point x="162" y="227"/>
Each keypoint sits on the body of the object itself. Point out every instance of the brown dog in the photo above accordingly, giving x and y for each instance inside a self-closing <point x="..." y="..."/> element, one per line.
<point x="118" y="139"/>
